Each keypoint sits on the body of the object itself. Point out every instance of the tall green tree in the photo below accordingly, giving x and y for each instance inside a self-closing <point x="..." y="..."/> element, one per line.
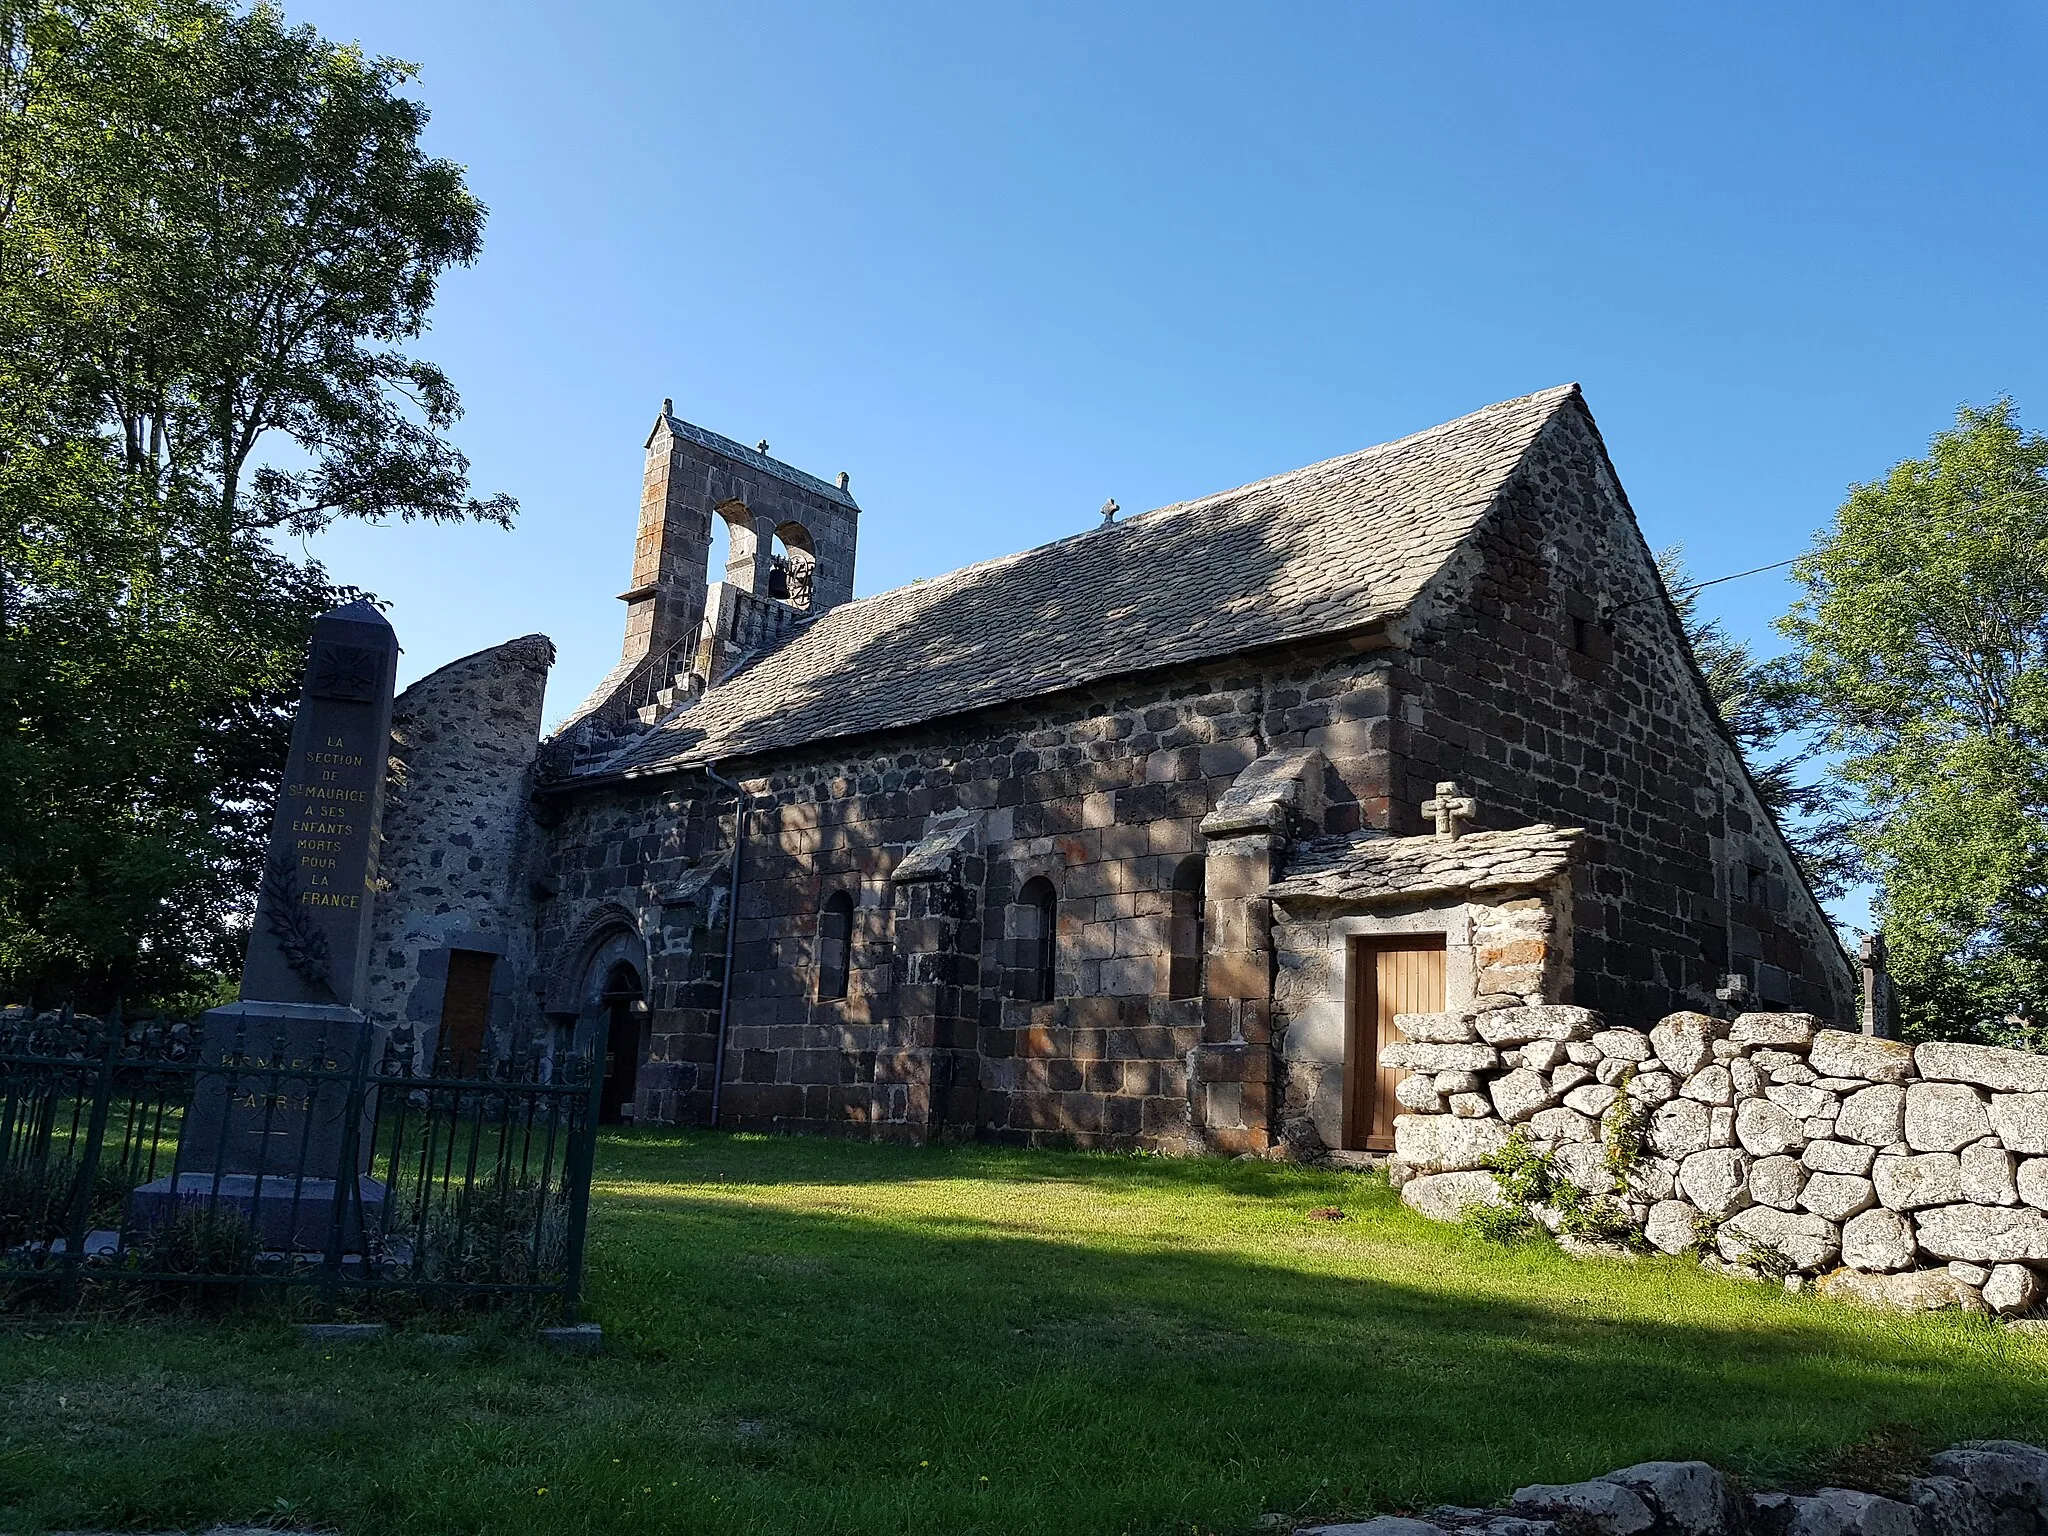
<point x="1921" y="659"/>
<point x="218" y="236"/>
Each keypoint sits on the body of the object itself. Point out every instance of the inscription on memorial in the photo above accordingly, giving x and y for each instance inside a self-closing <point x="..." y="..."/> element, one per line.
<point x="280" y="1109"/>
<point x="311" y="936"/>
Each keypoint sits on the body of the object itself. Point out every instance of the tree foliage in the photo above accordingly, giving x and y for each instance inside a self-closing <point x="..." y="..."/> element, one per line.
<point x="1921" y="659"/>
<point x="218" y="234"/>
<point x="220" y="229"/>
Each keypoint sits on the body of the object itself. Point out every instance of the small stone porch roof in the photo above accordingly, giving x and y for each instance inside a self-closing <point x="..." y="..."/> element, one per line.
<point x="1339" y="547"/>
<point x="1369" y="869"/>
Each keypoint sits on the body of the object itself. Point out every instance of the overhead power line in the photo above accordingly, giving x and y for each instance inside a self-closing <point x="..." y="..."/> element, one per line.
<point x="1697" y="586"/>
<point x="1776" y="565"/>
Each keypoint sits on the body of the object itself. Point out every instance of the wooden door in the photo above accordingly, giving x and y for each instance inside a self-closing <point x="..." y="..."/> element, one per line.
<point x="465" y="1012"/>
<point x="1385" y="977"/>
<point x="621" y="1063"/>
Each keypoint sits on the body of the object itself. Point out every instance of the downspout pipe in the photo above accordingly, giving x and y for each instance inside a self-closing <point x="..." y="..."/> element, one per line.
<point x="732" y="928"/>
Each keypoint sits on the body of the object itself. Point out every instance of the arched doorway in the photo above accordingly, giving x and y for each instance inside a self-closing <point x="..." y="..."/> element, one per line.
<point x="625" y="1005"/>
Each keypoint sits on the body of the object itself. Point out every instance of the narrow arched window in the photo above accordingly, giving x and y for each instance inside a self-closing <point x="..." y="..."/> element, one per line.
<point x="835" y="946"/>
<point x="1034" y="927"/>
<point x="1187" y="934"/>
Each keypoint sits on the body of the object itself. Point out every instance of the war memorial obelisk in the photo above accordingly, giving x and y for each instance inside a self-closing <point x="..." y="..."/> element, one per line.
<point x="310" y="945"/>
<point x="257" y="1138"/>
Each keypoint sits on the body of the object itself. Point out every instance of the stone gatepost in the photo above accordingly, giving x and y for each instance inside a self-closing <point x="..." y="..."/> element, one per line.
<point x="930" y="1081"/>
<point x="1231" y="1073"/>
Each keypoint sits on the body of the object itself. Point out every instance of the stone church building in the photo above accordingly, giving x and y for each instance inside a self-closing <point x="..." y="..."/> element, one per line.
<point x="1139" y="838"/>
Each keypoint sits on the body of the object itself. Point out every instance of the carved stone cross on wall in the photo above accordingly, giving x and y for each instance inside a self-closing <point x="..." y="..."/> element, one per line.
<point x="1450" y="808"/>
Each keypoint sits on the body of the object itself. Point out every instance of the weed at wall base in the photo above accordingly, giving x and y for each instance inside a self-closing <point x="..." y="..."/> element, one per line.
<point x="1530" y="1182"/>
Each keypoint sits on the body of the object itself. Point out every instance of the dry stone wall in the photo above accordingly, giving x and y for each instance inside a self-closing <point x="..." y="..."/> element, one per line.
<point x="1902" y="1175"/>
<point x="1977" y="1488"/>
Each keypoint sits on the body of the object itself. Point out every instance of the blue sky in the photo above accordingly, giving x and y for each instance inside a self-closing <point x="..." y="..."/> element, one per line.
<point x="1000" y="263"/>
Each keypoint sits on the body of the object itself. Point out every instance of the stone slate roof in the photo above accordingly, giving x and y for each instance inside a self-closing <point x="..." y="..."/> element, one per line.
<point x="1339" y="546"/>
<point x="1370" y="868"/>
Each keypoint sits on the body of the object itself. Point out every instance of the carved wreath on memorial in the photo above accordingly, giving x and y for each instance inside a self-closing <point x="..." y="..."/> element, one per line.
<point x="344" y="672"/>
<point x="301" y="941"/>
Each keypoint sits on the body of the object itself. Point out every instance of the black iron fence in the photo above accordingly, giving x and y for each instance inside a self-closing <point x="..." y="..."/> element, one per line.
<point x="467" y="1183"/>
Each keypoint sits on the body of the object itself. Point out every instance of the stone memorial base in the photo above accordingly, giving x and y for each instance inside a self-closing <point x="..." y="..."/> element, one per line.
<point x="266" y="1136"/>
<point x="287" y="1215"/>
<point x="273" y="1090"/>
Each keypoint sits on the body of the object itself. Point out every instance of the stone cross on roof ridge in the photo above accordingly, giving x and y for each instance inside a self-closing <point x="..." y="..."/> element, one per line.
<point x="1450" y="807"/>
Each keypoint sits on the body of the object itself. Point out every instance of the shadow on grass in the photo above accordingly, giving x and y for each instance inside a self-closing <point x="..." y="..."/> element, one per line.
<point x="795" y="1362"/>
<point x="1497" y="1367"/>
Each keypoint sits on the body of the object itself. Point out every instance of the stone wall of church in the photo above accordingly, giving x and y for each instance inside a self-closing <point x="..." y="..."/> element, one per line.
<point x="1509" y="682"/>
<point x="457" y="838"/>
<point x="1548" y="677"/>
<point x="1100" y="791"/>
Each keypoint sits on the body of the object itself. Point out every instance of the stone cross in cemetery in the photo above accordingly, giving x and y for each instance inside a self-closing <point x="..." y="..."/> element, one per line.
<point x="1450" y="808"/>
<point x="257" y="1138"/>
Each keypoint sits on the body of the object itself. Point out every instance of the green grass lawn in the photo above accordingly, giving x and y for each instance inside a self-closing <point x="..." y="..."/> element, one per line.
<point x="810" y="1336"/>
